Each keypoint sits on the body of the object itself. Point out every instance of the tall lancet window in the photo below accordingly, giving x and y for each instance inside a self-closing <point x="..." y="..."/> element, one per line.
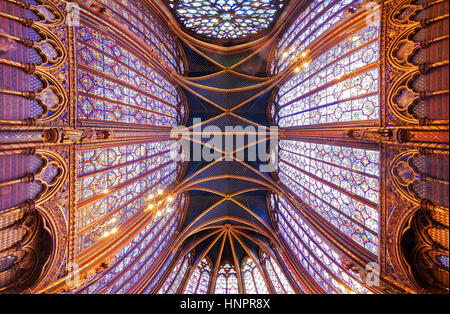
<point x="315" y="20"/>
<point x="253" y="280"/>
<point x="132" y="263"/>
<point x="331" y="81"/>
<point x="118" y="85"/>
<point x="200" y="279"/>
<point x="176" y="276"/>
<point x="276" y="275"/>
<point x="227" y="282"/>
<point x="339" y="85"/>
<point x="116" y="183"/>
<point x="137" y="18"/>
<point x="319" y="258"/>
<point x="341" y="184"/>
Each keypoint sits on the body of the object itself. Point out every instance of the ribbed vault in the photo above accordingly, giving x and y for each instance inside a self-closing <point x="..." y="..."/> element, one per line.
<point x="348" y="98"/>
<point x="227" y="217"/>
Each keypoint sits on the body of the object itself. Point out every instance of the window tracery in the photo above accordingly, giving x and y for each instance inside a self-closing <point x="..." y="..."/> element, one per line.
<point x="316" y="19"/>
<point x="276" y="275"/>
<point x="139" y="255"/>
<point x="226" y="19"/>
<point x="340" y="85"/>
<point x="340" y="183"/>
<point x="116" y="84"/>
<point x="200" y="279"/>
<point x="176" y="276"/>
<point x="318" y="257"/>
<point x="116" y="183"/>
<point x="136" y="17"/>
<point x="253" y="279"/>
<point x="227" y="282"/>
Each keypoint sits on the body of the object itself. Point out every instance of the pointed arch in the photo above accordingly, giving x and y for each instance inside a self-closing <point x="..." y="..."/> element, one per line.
<point x="276" y="275"/>
<point x="227" y="280"/>
<point x="324" y="262"/>
<point x="177" y="275"/>
<point x="253" y="279"/>
<point x="200" y="279"/>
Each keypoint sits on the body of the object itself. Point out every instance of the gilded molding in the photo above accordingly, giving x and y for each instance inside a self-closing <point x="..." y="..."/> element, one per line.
<point x="399" y="31"/>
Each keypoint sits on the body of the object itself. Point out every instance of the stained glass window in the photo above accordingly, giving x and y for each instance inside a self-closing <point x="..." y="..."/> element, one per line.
<point x="117" y="182"/>
<point x="443" y="259"/>
<point x="137" y="18"/>
<point x="175" y="277"/>
<point x="226" y="19"/>
<point x="340" y="183"/>
<point x="317" y="256"/>
<point x="226" y="282"/>
<point x="253" y="280"/>
<point x="157" y="277"/>
<point x="116" y="84"/>
<point x="200" y="279"/>
<point x="316" y="19"/>
<point x="139" y="255"/>
<point x="276" y="275"/>
<point x="340" y="85"/>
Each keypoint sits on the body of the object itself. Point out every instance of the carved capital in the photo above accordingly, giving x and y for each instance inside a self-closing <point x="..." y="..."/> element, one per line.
<point x="103" y="134"/>
<point x="28" y="206"/>
<point x="401" y="136"/>
<point x="51" y="136"/>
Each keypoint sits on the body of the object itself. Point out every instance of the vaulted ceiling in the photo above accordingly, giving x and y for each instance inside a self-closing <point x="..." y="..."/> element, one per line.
<point x="227" y="90"/>
<point x="87" y="175"/>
